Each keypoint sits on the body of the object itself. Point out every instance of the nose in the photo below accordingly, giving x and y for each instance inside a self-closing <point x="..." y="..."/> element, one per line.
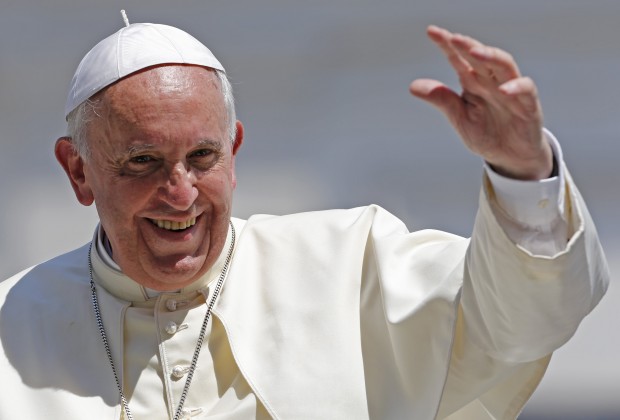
<point x="180" y="190"/>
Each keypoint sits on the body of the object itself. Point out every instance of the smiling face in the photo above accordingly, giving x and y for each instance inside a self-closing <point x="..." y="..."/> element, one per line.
<point x="161" y="173"/>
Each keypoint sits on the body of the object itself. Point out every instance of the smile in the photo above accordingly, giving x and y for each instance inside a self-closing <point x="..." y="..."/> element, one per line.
<point x="173" y="225"/>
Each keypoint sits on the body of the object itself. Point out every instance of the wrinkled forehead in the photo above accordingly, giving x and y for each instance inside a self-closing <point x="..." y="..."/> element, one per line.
<point x="166" y="79"/>
<point x="160" y="98"/>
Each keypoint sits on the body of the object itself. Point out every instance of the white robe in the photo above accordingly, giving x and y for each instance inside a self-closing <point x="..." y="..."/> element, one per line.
<point x="340" y="314"/>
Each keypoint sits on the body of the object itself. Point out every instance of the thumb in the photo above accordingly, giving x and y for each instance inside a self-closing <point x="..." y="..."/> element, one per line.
<point x="438" y="95"/>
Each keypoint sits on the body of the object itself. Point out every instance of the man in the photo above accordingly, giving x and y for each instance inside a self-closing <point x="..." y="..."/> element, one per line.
<point x="177" y="310"/>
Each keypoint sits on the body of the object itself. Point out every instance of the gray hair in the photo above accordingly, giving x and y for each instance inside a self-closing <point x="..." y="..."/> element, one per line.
<point x="80" y="117"/>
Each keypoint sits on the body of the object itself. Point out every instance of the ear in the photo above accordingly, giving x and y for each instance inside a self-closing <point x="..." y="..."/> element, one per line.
<point x="238" y="137"/>
<point x="236" y="145"/>
<point x="73" y="164"/>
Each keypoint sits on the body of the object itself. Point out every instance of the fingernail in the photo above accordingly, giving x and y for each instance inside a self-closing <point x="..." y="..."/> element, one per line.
<point x="480" y="52"/>
<point x="509" y="87"/>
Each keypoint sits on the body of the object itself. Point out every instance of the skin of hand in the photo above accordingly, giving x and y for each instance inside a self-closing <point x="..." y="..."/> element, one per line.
<point x="498" y="115"/>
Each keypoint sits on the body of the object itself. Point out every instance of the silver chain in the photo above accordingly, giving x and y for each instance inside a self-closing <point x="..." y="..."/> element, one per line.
<point x="201" y="337"/>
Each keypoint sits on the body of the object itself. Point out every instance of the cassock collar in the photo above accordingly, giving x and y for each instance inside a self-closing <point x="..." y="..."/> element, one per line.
<point x="107" y="273"/>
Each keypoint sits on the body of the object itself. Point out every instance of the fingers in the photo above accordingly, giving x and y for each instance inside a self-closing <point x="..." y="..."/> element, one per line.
<point x="488" y="61"/>
<point x="489" y="77"/>
<point x="443" y="38"/>
<point x="474" y="62"/>
<point x="522" y="97"/>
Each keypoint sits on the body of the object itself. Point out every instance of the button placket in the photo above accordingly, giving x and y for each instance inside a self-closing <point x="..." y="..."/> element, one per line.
<point x="170" y="319"/>
<point x="179" y="318"/>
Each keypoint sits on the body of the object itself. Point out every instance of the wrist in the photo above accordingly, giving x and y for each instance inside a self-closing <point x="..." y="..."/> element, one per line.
<point x="543" y="166"/>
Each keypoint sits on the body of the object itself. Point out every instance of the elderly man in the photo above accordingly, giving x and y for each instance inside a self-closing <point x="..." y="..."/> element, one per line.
<point x="176" y="310"/>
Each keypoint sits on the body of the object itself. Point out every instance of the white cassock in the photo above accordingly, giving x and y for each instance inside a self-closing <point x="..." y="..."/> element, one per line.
<point x="339" y="314"/>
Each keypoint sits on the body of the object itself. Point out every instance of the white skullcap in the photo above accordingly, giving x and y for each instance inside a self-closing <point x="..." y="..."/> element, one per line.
<point x="133" y="48"/>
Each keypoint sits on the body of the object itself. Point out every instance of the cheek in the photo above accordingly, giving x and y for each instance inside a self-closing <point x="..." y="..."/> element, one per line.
<point x="216" y="190"/>
<point x="118" y="204"/>
<point x="223" y="184"/>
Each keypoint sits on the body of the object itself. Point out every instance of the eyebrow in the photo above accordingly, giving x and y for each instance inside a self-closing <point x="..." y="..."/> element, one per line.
<point x="140" y="148"/>
<point x="209" y="143"/>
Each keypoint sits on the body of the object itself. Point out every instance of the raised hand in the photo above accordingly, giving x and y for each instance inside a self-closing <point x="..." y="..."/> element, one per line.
<point x="498" y="114"/>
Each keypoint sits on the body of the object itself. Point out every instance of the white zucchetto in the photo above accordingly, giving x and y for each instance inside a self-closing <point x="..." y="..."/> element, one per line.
<point x="133" y="48"/>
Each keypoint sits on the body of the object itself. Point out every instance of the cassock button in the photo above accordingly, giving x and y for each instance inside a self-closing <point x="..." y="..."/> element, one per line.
<point x="188" y="413"/>
<point x="171" y="327"/>
<point x="171" y="304"/>
<point x="179" y="371"/>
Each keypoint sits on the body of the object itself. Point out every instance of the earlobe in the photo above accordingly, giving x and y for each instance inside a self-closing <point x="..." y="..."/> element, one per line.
<point x="73" y="165"/>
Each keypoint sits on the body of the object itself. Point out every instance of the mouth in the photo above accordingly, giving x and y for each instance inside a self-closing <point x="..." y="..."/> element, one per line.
<point x="173" y="225"/>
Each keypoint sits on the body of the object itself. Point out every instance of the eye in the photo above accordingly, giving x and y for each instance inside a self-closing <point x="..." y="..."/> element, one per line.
<point x="139" y="165"/>
<point x="201" y="153"/>
<point x="203" y="159"/>
<point x="141" y="159"/>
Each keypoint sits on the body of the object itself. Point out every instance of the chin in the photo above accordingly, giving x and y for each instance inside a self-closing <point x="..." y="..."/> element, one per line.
<point x="176" y="275"/>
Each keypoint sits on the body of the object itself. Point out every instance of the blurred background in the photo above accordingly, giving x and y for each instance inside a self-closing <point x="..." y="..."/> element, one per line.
<point x="322" y="88"/>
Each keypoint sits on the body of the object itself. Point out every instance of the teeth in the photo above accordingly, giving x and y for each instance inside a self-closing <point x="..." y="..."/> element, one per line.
<point x="170" y="225"/>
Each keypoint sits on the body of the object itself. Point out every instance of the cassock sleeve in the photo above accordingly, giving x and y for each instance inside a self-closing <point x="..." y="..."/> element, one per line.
<point x="516" y="308"/>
